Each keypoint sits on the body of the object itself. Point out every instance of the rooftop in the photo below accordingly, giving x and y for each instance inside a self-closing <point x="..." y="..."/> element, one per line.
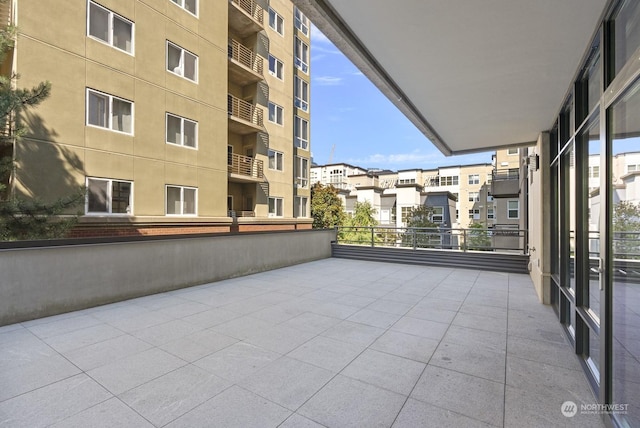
<point x="329" y="343"/>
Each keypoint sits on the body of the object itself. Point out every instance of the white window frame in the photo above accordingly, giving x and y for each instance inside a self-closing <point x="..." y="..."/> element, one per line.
<point x="278" y="113"/>
<point x="183" y="52"/>
<point x="437" y="216"/>
<point x="300" y="208"/>
<point x="302" y="166"/>
<point x="110" y="98"/>
<point x="489" y="197"/>
<point x="511" y="210"/>
<point x="278" y="73"/>
<point x="449" y="180"/>
<point x="300" y="95"/>
<point x="278" y="205"/>
<point x="109" y="211"/>
<point x="474" y="214"/>
<point x="301" y="22"/>
<point x="112" y="16"/>
<point x="181" y="5"/>
<point x="512" y="151"/>
<point x="633" y="168"/>
<point x="182" y="189"/>
<point x="474" y="178"/>
<point x="182" y="121"/>
<point x="491" y="213"/>
<point x="278" y="160"/>
<point x="301" y="63"/>
<point x="474" y="196"/>
<point x="275" y="25"/>
<point x="300" y="141"/>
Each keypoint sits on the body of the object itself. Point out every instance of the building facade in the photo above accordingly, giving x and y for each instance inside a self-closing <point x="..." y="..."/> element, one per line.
<point x="394" y="193"/>
<point x="179" y="116"/>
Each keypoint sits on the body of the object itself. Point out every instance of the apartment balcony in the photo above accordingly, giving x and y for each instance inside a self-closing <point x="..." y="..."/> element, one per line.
<point x="244" y="117"/>
<point x="505" y="183"/>
<point x="432" y="348"/>
<point x="245" y="169"/>
<point x="245" y="66"/>
<point x="246" y="17"/>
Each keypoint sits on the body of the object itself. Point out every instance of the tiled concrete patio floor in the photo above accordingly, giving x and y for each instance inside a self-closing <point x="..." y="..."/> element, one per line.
<point x="336" y="343"/>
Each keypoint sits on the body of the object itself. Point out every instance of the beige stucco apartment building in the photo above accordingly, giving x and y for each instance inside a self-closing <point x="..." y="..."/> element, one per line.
<point x="179" y="116"/>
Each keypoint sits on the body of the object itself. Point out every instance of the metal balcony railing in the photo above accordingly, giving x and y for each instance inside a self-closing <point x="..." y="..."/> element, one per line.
<point x="513" y="241"/>
<point x="251" y="8"/>
<point x="245" y="165"/>
<point x="243" y="110"/>
<point x="246" y="57"/>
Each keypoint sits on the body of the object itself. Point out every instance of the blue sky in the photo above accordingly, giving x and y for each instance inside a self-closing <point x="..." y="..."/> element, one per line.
<point x="367" y="130"/>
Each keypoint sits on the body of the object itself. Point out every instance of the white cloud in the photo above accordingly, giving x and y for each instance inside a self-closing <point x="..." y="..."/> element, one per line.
<point x="328" y="80"/>
<point x="416" y="159"/>
<point x="318" y="37"/>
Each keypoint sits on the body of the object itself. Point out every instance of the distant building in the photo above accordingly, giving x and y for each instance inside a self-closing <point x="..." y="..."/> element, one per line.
<point x="394" y="193"/>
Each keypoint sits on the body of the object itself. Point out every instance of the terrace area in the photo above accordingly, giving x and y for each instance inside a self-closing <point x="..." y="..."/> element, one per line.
<point x="334" y="342"/>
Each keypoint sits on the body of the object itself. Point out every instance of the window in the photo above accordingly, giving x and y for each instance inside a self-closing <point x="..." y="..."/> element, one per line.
<point x="182" y="62"/>
<point x="182" y="200"/>
<point x="407" y="181"/>
<point x="275" y="207"/>
<point x="182" y="131"/>
<point x="489" y="178"/>
<point x="302" y="171"/>
<point x="301" y="94"/>
<point x="301" y="133"/>
<point x="275" y="160"/>
<point x="594" y="171"/>
<point x="457" y="214"/>
<point x="474" y="179"/>
<point x="405" y="212"/>
<point x="190" y="6"/>
<point x="276" y="67"/>
<point x="489" y="197"/>
<point x="301" y="21"/>
<point x="276" y="113"/>
<point x="451" y="180"/>
<point x="630" y="168"/>
<point x="513" y="209"/>
<point x="109" y="112"/>
<point x="105" y="196"/>
<point x="301" y="54"/>
<point x="491" y="213"/>
<point x="512" y="151"/>
<point x="474" y="197"/>
<point x="300" y="207"/>
<point x="438" y="215"/>
<point x="276" y="22"/>
<point x="110" y="28"/>
<point x="474" y="214"/>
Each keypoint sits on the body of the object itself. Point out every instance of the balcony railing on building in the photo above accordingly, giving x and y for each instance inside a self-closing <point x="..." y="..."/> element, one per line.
<point x="245" y="17"/>
<point x="248" y="116"/>
<point x="245" y="168"/>
<point x="505" y="183"/>
<point x="234" y="213"/>
<point x="248" y="67"/>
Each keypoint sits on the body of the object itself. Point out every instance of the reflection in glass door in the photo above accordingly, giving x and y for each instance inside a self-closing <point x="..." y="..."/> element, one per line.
<point x="624" y="249"/>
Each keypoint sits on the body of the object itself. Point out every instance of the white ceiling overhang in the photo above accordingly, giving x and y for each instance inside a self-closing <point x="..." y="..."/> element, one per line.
<point x="472" y="75"/>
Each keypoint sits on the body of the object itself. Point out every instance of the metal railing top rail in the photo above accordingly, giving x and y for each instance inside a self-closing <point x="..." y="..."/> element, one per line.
<point x="245" y="165"/>
<point x="245" y="56"/>
<point x="505" y="174"/>
<point x="252" y="8"/>
<point x="513" y="241"/>
<point x="244" y="110"/>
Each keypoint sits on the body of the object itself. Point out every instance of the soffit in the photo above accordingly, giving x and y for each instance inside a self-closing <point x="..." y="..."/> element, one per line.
<point x="472" y="75"/>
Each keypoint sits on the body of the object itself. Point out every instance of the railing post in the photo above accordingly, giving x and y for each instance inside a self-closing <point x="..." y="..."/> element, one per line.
<point x="415" y="238"/>
<point x="372" y="238"/>
<point x="464" y="239"/>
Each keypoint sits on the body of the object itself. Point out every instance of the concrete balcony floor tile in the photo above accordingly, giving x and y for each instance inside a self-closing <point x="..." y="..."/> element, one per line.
<point x="330" y="343"/>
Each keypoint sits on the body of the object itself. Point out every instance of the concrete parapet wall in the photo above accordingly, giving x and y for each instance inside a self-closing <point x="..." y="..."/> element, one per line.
<point x="42" y="281"/>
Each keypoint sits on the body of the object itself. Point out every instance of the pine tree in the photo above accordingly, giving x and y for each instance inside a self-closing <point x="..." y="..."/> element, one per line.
<point x="24" y="218"/>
